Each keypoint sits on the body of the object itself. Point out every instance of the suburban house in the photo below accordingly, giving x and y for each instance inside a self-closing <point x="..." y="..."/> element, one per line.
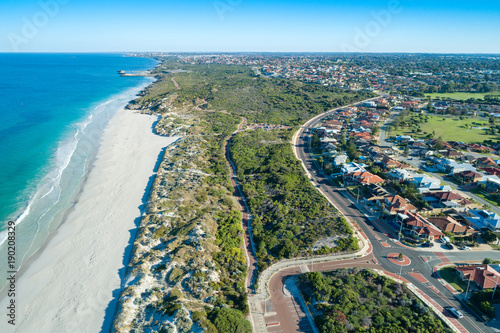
<point x="492" y="171"/>
<point x="418" y="227"/>
<point x="483" y="219"/>
<point x="453" y="154"/>
<point x="404" y="138"/>
<point x="395" y="203"/>
<point x="425" y="183"/>
<point x="352" y="167"/>
<point x="446" y="199"/>
<point x="449" y="224"/>
<point x="377" y="190"/>
<point x="483" y="276"/>
<point x="453" y="167"/>
<point x="389" y="163"/>
<point x="468" y="177"/>
<point x="361" y="135"/>
<point x="365" y="178"/>
<point x="492" y="183"/>
<point x="399" y="174"/>
<point x="485" y="162"/>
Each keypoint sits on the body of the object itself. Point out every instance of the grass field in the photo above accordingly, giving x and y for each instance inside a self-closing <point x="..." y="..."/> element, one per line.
<point x="461" y="95"/>
<point x="450" y="129"/>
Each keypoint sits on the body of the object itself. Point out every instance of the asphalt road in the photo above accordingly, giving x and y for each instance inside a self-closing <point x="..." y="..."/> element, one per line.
<point x="425" y="281"/>
<point x="383" y="131"/>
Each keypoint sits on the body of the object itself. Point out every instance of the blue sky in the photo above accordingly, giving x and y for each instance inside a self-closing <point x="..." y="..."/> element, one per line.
<point x="245" y="25"/>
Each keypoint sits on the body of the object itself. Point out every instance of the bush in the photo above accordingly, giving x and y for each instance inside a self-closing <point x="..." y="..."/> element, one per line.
<point x="229" y="320"/>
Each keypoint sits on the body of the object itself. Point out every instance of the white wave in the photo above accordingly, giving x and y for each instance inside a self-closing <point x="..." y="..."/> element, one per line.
<point x="62" y="159"/>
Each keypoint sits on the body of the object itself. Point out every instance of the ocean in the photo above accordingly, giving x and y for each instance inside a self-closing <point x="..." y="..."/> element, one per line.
<point x="54" y="108"/>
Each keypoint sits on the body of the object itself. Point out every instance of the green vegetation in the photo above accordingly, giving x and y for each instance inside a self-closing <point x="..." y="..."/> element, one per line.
<point x="230" y="321"/>
<point x="361" y="300"/>
<point x="448" y="128"/>
<point x="483" y="300"/>
<point x="449" y="274"/>
<point x="231" y="256"/>
<point x="290" y="215"/>
<point x="492" y="198"/>
<point x="191" y="211"/>
<point x="236" y="90"/>
<point x="410" y="192"/>
<point x="461" y="96"/>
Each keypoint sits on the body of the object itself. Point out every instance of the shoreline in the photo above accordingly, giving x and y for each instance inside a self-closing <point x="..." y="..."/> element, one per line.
<point x="59" y="260"/>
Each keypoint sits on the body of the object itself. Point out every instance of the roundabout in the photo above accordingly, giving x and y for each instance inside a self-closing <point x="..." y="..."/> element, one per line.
<point x="399" y="259"/>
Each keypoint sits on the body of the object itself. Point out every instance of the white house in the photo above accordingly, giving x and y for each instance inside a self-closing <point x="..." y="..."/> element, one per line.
<point x="425" y="183"/>
<point x="402" y="174"/>
<point x="453" y="167"/>
<point x="352" y="167"/>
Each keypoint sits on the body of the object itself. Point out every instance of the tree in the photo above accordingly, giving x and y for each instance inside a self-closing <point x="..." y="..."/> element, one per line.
<point x="315" y="142"/>
<point x="489" y="236"/>
<point x="407" y="150"/>
<point x="230" y="321"/>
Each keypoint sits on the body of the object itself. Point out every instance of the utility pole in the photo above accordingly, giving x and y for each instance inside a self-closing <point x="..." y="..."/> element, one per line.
<point x="492" y="296"/>
<point x="468" y="284"/>
<point x="400" y="231"/>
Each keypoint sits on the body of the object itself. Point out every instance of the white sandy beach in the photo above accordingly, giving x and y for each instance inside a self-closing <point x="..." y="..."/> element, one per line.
<point x="69" y="286"/>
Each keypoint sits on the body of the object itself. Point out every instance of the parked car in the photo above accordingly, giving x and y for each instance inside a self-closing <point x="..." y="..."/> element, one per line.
<point x="449" y="246"/>
<point x="465" y="248"/>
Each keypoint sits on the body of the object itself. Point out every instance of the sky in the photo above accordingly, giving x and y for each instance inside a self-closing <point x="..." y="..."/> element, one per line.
<point x="437" y="26"/>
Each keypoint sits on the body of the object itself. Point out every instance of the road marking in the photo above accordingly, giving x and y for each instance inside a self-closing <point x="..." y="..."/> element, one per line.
<point x="441" y="256"/>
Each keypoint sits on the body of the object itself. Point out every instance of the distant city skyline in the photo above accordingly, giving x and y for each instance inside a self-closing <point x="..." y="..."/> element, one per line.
<point x="250" y="26"/>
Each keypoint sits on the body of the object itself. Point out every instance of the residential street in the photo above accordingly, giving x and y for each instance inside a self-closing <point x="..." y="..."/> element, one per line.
<point x="282" y="310"/>
<point x="420" y="271"/>
<point x="417" y="162"/>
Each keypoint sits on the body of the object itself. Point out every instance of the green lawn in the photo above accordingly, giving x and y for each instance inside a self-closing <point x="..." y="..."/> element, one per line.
<point x="449" y="275"/>
<point x="461" y="95"/>
<point x="449" y="129"/>
<point x="485" y="196"/>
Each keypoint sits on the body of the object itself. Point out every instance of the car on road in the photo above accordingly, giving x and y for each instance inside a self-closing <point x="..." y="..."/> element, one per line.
<point x="455" y="313"/>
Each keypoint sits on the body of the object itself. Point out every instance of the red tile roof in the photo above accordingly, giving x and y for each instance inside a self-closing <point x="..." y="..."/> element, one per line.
<point x="483" y="275"/>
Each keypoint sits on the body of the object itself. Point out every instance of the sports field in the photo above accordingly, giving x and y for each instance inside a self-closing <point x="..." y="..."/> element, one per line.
<point x="461" y="95"/>
<point x="450" y="129"/>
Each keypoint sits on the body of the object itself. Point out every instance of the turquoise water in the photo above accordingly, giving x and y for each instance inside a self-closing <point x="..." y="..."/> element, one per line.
<point x="53" y="110"/>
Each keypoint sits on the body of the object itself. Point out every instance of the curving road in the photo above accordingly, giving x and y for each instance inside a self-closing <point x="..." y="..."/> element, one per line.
<point x="276" y="305"/>
<point x="420" y="272"/>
